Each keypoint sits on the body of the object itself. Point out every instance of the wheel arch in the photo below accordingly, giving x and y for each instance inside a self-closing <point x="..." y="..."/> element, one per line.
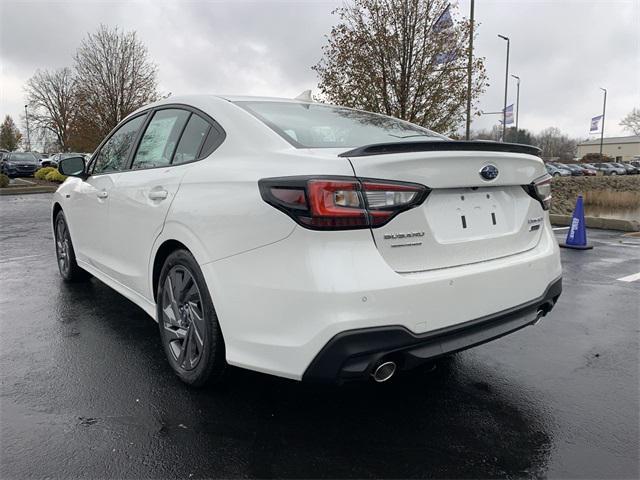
<point x="54" y="213"/>
<point x="174" y="235"/>
<point x="163" y="251"/>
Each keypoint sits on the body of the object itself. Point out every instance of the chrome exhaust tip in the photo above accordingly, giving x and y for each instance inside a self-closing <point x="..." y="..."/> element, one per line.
<point x="539" y="314"/>
<point x="384" y="371"/>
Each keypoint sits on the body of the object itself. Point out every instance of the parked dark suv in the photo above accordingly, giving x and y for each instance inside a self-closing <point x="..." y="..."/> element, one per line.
<point x="19" y="164"/>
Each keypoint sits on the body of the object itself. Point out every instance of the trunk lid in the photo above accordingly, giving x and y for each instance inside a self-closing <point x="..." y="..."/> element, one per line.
<point x="466" y="218"/>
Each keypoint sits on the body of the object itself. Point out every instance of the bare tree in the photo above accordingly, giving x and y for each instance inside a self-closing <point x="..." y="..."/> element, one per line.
<point x="48" y="142"/>
<point x="554" y="143"/>
<point x="114" y="78"/>
<point x="401" y="58"/>
<point x="632" y="121"/>
<point x="52" y="104"/>
<point x="495" y="134"/>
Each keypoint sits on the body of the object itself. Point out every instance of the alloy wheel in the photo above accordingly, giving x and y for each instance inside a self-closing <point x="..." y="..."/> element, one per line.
<point x="183" y="317"/>
<point x="63" y="248"/>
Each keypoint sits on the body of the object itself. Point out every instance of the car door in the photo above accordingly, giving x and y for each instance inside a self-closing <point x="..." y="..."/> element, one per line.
<point x="88" y="203"/>
<point x="171" y="141"/>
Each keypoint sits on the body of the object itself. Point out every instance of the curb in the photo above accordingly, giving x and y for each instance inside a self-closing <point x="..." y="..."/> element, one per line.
<point x="598" y="222"/>
<point x="27" y="190"/>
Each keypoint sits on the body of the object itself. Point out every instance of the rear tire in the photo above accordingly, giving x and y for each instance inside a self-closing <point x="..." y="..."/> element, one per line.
<point x="189" y="328"/>
<point x="65" y="254"/>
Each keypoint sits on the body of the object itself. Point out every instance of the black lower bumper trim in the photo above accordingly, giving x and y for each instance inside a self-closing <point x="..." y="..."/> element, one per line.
<point x="352" y="354"/>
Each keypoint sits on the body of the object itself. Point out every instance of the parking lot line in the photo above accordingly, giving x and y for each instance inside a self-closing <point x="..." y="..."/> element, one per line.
<point x="560" y="228"/>
<point x="630" y="278"/>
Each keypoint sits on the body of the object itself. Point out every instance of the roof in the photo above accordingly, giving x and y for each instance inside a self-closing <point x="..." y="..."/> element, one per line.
<point x="248" y="98"/>
<point x="612" y="140"/>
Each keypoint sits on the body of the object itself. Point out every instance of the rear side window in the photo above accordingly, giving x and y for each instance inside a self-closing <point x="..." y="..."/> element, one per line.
<point x="192" y="139"/>
<point x="114" y="153"/>
<point x="160" y="138"/>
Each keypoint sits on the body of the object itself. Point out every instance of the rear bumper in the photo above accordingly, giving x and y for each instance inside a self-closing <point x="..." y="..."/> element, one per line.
<point x="354" y="354"/>
<point x="280" y="305"/>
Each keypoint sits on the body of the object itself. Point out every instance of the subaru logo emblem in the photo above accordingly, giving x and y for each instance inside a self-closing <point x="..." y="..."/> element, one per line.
<point x="489" y="172"/>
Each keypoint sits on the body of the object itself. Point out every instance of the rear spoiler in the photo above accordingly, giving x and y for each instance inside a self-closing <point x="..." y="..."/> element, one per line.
<point x="439" y="146"/>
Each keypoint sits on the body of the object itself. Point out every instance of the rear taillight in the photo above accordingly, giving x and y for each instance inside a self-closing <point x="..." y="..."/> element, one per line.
<point x="540" y="189"/>
<point x="341" y="203"/>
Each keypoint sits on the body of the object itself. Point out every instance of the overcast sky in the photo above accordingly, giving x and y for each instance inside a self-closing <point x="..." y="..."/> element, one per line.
<point x="563" y="50"/>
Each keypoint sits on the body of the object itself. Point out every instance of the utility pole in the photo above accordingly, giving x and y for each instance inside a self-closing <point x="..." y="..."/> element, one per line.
<point x="517" y="103"/>
<point x="604" y="111"/>
<point x="26" y="118"/>
<point x="506" y="85"/>
<point x="470" y="71"/>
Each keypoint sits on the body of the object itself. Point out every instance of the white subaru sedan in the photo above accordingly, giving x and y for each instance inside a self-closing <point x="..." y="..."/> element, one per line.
<point x="306" y="240"/>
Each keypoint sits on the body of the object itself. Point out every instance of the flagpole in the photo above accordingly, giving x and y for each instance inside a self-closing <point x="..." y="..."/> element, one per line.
<point x="517" y="103"/>
<point x="506" y="84"/>
<point x="604" y="110"/>
<point x="470" y="71"/>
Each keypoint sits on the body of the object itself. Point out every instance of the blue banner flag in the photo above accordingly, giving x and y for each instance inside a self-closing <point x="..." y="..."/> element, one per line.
<point x="444" y="57"/>
<point x="509" y="115"/>
<point x="444" y="21"/>
<point x="595" y="124"/>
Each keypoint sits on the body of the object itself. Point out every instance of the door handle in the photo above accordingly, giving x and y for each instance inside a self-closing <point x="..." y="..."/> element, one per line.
<point x="102" y="194"/>
<point x="158" y="194"/>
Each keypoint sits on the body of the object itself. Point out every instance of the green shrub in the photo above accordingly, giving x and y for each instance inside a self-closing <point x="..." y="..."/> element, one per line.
<point x="43" y="172"/>
<point x="4" y="180"/>
<point x="55" y="176"/>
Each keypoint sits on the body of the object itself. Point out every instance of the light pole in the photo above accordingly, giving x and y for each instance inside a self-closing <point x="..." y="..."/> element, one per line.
<point x="26" y="118"/>
<point x="517" y="103"/>
<point x="506" y="85"/>
<point x="604" y="111"/>
<point x="470" y="71"/>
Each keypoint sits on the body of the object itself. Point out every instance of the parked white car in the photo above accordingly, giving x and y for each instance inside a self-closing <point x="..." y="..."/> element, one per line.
<point x="308" y="241"/>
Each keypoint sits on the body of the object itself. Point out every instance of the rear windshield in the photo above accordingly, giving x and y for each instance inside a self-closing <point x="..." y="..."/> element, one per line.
<point x="313" y="125"/>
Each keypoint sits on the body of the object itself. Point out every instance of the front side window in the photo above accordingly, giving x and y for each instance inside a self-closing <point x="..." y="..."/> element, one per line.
<point x="192" y="139"/>
<point x="314" y="125"/>
<point x="160" y="138"/>
<point x="114" y="153"/>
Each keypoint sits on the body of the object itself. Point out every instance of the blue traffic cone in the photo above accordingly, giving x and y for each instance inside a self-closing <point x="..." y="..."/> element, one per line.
<point x="577" y="236"/>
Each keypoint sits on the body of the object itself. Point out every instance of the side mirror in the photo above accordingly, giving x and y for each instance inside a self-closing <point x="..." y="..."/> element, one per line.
<point x="73" y="167"/>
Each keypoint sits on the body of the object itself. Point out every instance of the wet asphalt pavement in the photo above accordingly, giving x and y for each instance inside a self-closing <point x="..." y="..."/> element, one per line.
<point x="86" y="391"/>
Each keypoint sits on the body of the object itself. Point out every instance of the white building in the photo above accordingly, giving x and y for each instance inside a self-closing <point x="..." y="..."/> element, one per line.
<point x="622" y="149"/>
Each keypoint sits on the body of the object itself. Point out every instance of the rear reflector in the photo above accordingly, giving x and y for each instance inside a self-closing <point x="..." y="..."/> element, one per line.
<point x="341" y="203"/>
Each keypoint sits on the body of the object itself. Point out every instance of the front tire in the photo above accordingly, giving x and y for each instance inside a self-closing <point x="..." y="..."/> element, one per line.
<point x="65" y="254"/>
<point x="188" y="323"/>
